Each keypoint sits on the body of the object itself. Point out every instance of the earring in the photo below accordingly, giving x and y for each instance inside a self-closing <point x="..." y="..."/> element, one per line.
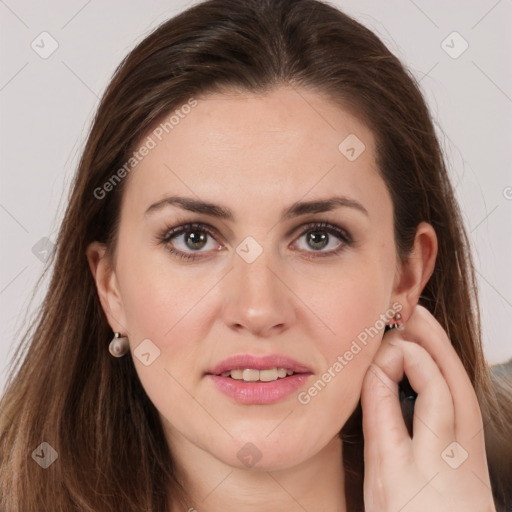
<point x="119" y="345"/>
<point x="396" y="323"/>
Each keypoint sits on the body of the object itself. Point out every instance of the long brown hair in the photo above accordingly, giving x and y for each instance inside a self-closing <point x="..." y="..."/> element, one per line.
<point x="68" y="391"/>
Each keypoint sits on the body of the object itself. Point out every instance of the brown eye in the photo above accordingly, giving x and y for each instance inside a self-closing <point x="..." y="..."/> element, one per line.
<point x="317" y="239"/>
<point x="195" y="240"/>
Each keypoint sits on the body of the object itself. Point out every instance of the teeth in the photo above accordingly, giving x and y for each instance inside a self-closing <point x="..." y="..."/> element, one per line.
<point x="267" y="375"/>
<point x="236" y="374"/>
<point x="252" y="375"/>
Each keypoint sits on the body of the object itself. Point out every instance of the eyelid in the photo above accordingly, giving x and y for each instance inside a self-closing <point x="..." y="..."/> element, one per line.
<point x="189" y="226"/>
<point x="327" y="226"/>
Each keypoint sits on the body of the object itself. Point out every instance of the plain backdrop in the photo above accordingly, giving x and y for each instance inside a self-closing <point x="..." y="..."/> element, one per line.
<point x="47" y="103"/>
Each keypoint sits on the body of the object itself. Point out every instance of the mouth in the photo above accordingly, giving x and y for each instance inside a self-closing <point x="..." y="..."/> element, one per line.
<point x="258" y="380"/>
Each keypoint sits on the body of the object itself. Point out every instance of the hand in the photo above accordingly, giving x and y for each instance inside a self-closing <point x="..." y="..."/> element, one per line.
<point x="426" y="473"/>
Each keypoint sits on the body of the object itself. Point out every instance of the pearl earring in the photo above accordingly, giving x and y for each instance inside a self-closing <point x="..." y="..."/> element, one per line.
<point x="119" y="345"/>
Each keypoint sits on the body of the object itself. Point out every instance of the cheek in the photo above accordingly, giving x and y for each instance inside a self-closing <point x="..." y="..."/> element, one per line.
<point x="349" y="306"/>
<point x="159" y="297"/>
<point x="354" y="308"/>
<point x="161" y="306"/>
<point x="170" y="308"/>
<point x="354" y="313"/>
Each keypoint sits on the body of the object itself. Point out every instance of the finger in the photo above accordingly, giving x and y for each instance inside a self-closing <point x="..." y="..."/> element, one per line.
<point x="384" y="429"/>
<point x="433" y="425"/>
<point x="426" y="331"/>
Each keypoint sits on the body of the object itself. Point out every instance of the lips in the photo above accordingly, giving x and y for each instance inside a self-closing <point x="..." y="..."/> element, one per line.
<point x="258" y="380"/>
<point x="247" y="361"/>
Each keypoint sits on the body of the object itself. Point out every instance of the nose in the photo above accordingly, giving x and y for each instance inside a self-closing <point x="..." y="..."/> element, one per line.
<point x="257" y="297"/>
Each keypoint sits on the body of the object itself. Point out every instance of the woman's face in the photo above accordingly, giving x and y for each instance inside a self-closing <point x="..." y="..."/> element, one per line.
<point x="260" y="280"/>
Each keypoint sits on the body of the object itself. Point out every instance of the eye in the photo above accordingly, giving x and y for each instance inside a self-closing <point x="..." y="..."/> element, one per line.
<point x="188" y="241"/>
<point x="183" y="241"/>
<point x="323" y="237"/>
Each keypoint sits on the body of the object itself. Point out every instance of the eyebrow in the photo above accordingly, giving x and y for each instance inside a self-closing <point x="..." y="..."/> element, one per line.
<point x="222" y="212"/>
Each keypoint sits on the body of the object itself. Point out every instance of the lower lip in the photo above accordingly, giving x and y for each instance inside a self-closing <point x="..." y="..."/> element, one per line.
<point x="259" y="393"/>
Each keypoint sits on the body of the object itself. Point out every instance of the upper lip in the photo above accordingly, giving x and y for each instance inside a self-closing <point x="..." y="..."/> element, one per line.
<point x="259" y="363"/>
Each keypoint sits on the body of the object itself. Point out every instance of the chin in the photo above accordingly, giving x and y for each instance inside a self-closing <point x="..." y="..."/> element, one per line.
<point x="260" y="454"/>
<point x="264" y="462"/>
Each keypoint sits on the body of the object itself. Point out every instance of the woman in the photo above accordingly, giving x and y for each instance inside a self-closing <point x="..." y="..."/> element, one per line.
<point x="261" y="194"/>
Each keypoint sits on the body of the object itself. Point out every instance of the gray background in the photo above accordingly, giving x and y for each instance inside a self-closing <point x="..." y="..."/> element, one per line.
<point x="47" y="105"/>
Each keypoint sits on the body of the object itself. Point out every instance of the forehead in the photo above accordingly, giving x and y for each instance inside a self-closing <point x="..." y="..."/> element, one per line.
<point x="232" y="147"/>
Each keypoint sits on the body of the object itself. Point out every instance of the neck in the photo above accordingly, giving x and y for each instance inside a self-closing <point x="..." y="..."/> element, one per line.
<point x="315" y="485"/>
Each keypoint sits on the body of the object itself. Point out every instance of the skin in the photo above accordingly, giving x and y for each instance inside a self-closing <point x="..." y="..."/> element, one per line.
<point x="258" y="154"/>
<point x="409" y="474"/>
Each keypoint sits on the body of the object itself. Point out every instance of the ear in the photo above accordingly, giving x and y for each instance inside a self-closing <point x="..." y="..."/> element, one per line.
<point x="107" y="286"/>
<point x="415" y="272"/>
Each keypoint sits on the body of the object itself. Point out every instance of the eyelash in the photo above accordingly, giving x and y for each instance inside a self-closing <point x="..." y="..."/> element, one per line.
<point x="171" y="232"/>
